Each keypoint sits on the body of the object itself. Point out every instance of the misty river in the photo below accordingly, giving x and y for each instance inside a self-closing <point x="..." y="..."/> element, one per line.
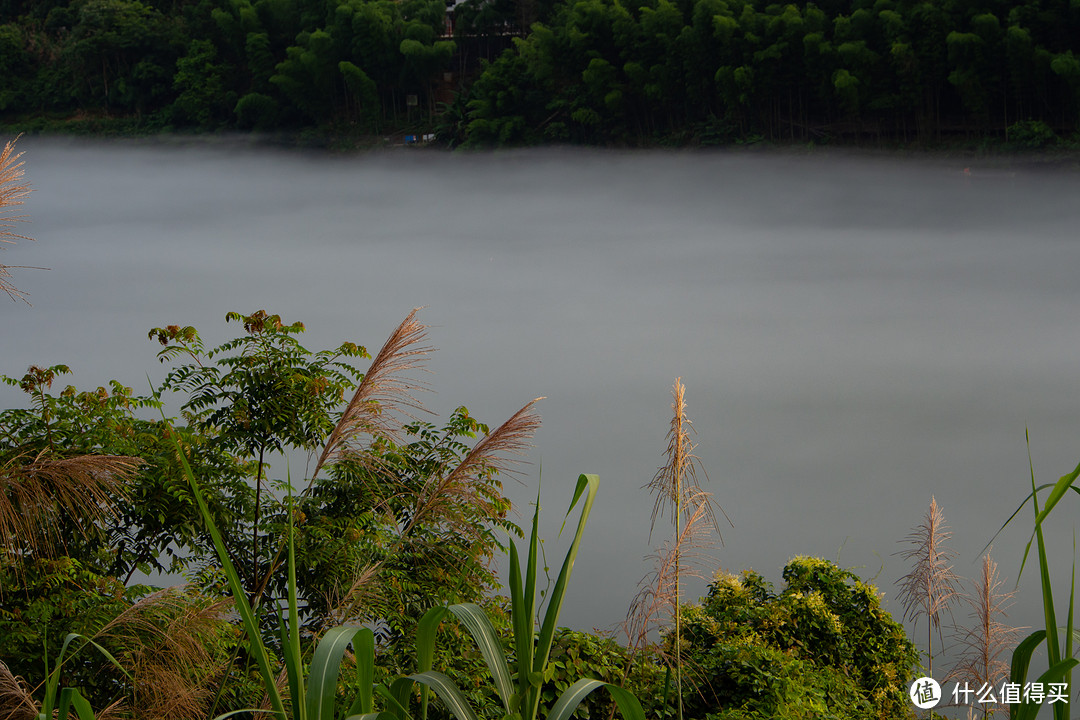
<point x="856" y="332"/>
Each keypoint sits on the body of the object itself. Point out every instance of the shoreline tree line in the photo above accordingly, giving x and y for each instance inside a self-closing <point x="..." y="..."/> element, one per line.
<point x="609" y="72"/>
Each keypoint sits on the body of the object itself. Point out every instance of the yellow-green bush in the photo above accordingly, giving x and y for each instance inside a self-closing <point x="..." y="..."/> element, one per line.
<point x="821" y="648"/>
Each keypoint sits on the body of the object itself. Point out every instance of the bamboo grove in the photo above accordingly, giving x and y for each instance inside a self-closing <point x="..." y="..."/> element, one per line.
<point x="611" y="72"/>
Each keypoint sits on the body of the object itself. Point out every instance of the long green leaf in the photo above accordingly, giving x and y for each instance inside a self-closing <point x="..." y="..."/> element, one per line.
<point x="251" y="626"/>
<point x="568" y="702"/>
<point x="64" y="703"/>
<point x="448" y="692"/>
<point x="382" y="715"/>
<point x="324" y="671"/>
<point x="398" y="696"/>
<point x="1053" y="648"/>
<point x="52" y="682"/>
<point x="529" y="681"/>
<point x="1057" y="672"/>
<point x="364" y="652"/>
<point x="293" y="669"/>
<point x="1016" y="512"/>
<point x="426" y="632"/>
<point x="530" y="574"/>
<point x="1060" y="487"/>
<point x="1021" y="661"/>
<point x="292" y="648"/>
<point x="1063" y="711"/>
<point x="521" y="620"/>
<point x="479" y="626"/>
<point x="73" y="698"/>
<point x="585" y="484"/>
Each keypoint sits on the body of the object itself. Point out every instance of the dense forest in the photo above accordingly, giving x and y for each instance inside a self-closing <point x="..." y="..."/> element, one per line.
<point x="625" y="72"/>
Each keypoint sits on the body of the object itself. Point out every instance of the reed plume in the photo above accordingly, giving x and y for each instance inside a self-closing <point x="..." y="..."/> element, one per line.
<point x="13" y="191"/>
<point x="988" y="639"/>
<point x="678" y="495"/>
<point x="386" y="391"/>
<point x="657" y="595"/>
<point x="451" y="500"/>
<point x="930" y="588"/>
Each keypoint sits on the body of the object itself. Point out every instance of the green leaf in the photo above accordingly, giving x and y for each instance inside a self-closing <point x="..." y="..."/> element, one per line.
<point x="324" y="671"/>
<point x="364" y="651"/>
<point x="448" y="692"/>
<point x="586" y="484"/>
<point x="568" y="702"/>
<point x="483" y="632"/>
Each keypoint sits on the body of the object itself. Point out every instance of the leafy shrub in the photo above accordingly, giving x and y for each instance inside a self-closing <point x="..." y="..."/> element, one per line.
<point x="1031" y="135"/>
<point x="823" y="647"/>
<point x="43" y="601"/>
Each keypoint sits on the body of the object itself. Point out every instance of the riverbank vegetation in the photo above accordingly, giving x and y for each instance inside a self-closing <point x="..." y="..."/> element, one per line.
<point x="398" y="518"/>
<point x="605" y="72"/>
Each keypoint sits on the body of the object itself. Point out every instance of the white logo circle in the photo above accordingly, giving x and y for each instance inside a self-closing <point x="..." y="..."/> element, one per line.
<point x="925" y="693"/>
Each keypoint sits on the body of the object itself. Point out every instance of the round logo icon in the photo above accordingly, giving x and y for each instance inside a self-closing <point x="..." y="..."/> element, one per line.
<point x="925" y="693"/>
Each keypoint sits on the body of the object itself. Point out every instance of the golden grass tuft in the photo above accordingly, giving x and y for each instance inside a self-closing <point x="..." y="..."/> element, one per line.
<point x="165" y="641"/>
<point x="658" y="593"/>
<point x="37" y="492"/>
<point x="691" y="510"/>
<point x="676" y="484"/>
<point x="386" y="391"/>
<point x="13" y="191"/>
<point x="453" y="502"/>
<point x="16" y="701"/>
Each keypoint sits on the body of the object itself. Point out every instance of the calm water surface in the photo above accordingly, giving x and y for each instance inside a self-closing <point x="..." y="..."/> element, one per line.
<point x="856" y="333"/>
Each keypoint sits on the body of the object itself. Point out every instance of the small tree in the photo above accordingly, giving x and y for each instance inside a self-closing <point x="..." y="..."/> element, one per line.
<point x="259" y="394"/>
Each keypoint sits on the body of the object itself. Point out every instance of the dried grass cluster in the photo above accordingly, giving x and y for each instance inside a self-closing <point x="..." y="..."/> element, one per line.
<point x="13" y="191"/>
<point x="166" y="641"/>
<point x="36" y="493"/>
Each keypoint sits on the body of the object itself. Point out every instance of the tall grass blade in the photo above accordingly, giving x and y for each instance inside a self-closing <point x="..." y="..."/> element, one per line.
<point x="1060" y="664"/>
<point x="1069" y="632"/>
<point x="293" y="670"/>
<point x="71" y="697"/>
<point x="1053" y="647"/>
<point x="236" y="587"/>
<point x="1021" y="661"/>
<point x="364" y="652"/>
<point x="291" y="649"/>
<point x="522" y="622"/>
<point x="587" y="485"/>
<point x="397" y="696"/>
<point x="426" y="631"/>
